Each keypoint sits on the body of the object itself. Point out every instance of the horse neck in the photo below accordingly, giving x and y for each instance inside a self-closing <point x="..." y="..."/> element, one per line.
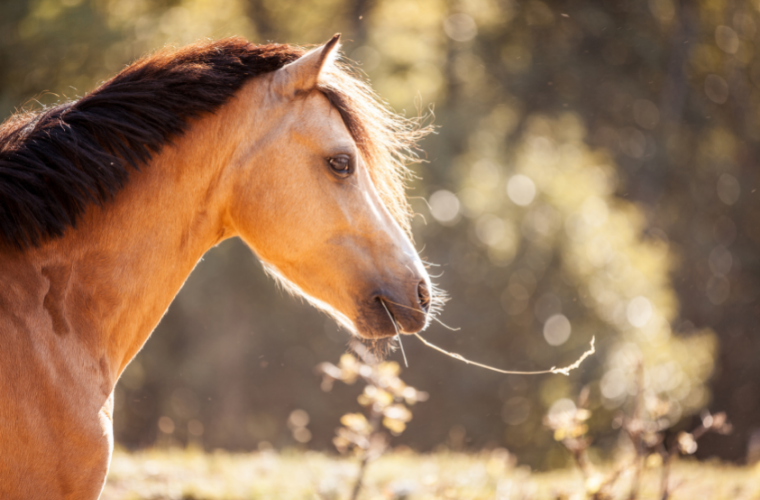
<point x="117" y="273"/>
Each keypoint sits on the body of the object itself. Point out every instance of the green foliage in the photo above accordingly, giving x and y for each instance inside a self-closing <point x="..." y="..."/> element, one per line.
<point x="594" y="174"/>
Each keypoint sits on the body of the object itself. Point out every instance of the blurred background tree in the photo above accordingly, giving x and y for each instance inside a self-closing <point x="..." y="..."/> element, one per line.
<point x="595" y="173"/>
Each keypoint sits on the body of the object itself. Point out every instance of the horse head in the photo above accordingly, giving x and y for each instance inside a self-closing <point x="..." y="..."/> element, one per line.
<point x="310" y="197"/>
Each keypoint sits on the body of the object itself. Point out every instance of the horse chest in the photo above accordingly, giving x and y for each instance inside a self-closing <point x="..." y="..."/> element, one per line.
<point x="54" y="441"/>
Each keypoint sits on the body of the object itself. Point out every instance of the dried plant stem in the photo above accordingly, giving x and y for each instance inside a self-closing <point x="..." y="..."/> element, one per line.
<point x="634" y="429"/>
<point x="665" y="479"/>
<point x="374" y="421"/>
<point x="445" y="325"/>
<point x="398" y="334"/>
<point x="403" y="353"/>
<point x="557" y="371"/>
<point x="581" y="460"/>
<point x="638" y="466"/>
<point x="610" y="482"/>
<point x="360" y="477"/>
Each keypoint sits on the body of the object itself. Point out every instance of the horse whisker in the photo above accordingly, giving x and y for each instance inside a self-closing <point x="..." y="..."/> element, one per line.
<point x="421" y="198"/>
<point x="398" y="334"/>
<point x="423" y="217"/>
<point x="423" y="312"/>
<point x="419" y="310"/>
<point x="400" y="305"/>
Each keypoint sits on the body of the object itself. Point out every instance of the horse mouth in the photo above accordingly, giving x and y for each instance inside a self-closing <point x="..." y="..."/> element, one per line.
<point x="384" y="318"/>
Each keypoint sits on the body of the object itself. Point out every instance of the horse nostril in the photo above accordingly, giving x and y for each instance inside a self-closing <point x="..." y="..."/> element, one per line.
<point x="423" y="295"/>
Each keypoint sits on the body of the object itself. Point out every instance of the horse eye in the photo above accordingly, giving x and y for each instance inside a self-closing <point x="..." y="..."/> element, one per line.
<point x="340" y="164"/>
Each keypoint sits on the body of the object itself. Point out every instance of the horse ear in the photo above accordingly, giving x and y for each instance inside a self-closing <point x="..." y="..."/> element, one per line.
<point x="302" y="74"/>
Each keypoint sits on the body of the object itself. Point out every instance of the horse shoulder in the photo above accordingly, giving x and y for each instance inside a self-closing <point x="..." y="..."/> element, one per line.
<point x="55" y="420"/>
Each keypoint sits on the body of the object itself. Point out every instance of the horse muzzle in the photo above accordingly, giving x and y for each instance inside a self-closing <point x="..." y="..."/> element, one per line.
<point x="394" y="310"/>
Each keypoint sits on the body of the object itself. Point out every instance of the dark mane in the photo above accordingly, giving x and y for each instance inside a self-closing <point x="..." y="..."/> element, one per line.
<point x="56" y="162"/>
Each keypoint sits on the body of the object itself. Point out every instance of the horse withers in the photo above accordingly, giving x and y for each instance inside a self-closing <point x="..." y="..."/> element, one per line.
<point x="107" y="204"/>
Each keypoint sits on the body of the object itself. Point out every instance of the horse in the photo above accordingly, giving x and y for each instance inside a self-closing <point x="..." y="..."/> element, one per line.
<point x="108" y="202"/>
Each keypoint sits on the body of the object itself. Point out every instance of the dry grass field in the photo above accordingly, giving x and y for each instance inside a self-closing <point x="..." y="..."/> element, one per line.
<point x="184" y="475"/>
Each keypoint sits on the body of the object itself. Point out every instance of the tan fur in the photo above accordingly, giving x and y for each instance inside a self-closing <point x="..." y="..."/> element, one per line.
<point x="76" y="310"/>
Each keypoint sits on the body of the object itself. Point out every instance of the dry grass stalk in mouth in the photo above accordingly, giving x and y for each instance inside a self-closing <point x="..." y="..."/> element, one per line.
<point x="554" y="370"/>
<point x="381" y="347"/>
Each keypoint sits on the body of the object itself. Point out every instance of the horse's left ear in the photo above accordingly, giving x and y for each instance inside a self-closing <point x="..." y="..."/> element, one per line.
<point x="302" y="74"/>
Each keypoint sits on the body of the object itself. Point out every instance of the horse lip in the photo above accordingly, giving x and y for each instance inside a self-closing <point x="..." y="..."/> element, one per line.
<point x="399" y="327"/>
<point x="389" y="307"/>
<point x="396" y="324"/>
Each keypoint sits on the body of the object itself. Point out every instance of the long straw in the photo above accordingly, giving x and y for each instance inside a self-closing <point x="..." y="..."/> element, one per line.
<point x="398" y="334"/>
<point x="557" y="371"/>
<point x="554" y="370"/>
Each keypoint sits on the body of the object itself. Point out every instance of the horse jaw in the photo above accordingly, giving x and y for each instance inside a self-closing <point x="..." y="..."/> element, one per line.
<point x="296" y="291"/>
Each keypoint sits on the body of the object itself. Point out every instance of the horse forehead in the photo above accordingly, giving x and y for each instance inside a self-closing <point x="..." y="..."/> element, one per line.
<point x="317" y="112"/>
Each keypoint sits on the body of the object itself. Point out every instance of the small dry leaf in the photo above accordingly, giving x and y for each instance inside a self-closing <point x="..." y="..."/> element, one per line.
<point x="385" y="395"/>
<point x="356" y="422"/>
<point x="654" y="460"/>
<point x="395" y="426"/>
<point x="686" y="443"/>
<point x="398" y="412"/>
<point x="582" y="414"/>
